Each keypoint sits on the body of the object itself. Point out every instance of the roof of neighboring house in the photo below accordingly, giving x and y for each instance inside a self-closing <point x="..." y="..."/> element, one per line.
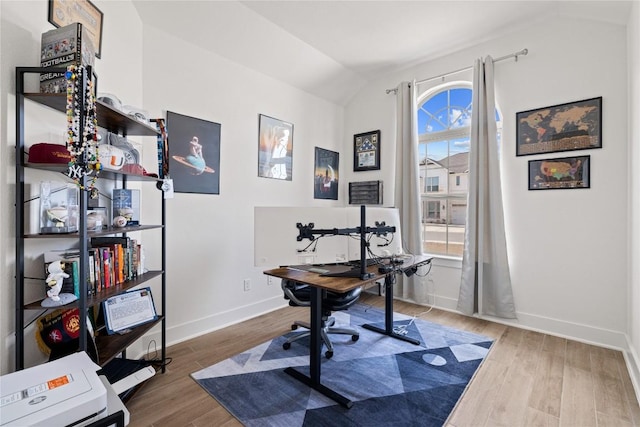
<point x="457" y="163"/>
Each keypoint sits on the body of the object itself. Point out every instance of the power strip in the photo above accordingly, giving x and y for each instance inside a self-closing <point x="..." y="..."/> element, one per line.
<point x="133" y="380"/>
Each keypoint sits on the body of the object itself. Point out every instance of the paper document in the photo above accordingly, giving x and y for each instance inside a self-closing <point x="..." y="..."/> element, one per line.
<point x="129" y="309"/>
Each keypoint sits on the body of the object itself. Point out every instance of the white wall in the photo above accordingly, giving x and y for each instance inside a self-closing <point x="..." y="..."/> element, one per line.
<point x="210" y="237"/>
<point x="568" y="266"/>
<point x="633" y="49"/>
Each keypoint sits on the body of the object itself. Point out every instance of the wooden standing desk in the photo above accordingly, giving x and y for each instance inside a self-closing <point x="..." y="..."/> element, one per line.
<point x="319" y="284"/>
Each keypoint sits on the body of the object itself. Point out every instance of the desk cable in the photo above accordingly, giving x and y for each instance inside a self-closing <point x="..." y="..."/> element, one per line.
<point x="404" y="329"/>
<point x="155" y="360"/>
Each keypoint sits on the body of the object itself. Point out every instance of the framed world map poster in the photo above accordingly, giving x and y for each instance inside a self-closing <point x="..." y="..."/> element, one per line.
<point x="571" y="126"/>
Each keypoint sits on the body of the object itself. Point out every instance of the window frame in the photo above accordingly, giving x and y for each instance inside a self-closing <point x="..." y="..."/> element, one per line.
<point x="451" y="197"/>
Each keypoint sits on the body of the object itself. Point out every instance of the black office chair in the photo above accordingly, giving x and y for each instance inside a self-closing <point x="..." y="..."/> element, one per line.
<point x="299" y="295"/>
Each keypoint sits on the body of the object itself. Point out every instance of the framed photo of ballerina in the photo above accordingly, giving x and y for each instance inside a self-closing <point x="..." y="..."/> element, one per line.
<point x="275" y="148"/>
<point x="194" y="154"/>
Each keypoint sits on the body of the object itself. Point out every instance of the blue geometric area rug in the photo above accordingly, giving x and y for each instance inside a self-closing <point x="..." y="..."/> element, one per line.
<point x="391" y="382"/>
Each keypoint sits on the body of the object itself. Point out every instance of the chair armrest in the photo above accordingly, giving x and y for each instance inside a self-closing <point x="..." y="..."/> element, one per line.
<point x="289" y="287"/>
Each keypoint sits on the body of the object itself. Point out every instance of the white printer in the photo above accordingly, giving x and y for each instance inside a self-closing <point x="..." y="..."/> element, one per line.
<point x="63" y="392"/>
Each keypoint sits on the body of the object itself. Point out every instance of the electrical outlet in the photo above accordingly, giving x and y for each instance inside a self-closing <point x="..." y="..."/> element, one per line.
<point x="247" y="285"/>
<point x="269" y="280"/>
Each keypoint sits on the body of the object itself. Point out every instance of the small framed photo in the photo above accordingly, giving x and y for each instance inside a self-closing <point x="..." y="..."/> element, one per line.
<point x="275" y="148"/>
<point x="571" y="126"/>
<point x="560" y="173"/>
<point x="326" y="174"/>
<point x="62" y="13"/>
<point x="366" y="151"/>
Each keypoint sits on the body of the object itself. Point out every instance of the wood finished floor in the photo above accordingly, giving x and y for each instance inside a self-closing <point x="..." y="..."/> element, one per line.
<point x="528" y="379"/>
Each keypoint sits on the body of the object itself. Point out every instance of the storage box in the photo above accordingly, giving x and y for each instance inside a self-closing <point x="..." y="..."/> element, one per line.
<point x="365" y="193"/>
<point x="58" y="208"/>
<point x="96" y="218"/>
<point x="62" y="47"/>
<point x="126" y="203"/>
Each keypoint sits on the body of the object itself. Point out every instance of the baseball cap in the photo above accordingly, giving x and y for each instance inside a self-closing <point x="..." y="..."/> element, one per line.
<point x="45" y="152"/>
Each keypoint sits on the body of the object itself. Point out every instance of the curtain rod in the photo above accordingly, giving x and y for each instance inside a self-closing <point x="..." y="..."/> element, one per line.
<point x="515" y="55"/>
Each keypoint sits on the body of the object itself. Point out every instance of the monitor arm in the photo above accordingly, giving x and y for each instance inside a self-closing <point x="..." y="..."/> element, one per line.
<point x="307" y="232"/>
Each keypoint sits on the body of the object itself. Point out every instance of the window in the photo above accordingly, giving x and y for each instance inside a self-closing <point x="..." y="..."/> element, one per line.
<point x="444" y="125"/>
<point x="432" y="184"/>
<point x="433" y="210"/>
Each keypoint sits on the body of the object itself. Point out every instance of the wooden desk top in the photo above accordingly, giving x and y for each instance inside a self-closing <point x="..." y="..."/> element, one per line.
<point x="341" y="284"/>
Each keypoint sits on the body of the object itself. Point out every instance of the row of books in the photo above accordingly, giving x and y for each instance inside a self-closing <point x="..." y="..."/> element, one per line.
<point x="112" y="261"/>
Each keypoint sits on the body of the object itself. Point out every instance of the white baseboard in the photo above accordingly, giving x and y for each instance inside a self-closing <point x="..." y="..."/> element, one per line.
<point x="546" y="325"/>
<point x="186" y="331"/>
<point x="633" y="366"/>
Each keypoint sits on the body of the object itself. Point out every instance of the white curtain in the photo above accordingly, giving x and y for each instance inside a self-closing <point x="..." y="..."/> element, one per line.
<point x="486" y="282"/>
<point x="407" y="188"/>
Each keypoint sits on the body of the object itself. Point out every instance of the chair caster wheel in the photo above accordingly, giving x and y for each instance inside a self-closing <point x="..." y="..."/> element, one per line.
<point x="355" y="337"/>
<point x="286" y="345"/>
<point x="294" y="327"/>
<point x="329" y="354"/>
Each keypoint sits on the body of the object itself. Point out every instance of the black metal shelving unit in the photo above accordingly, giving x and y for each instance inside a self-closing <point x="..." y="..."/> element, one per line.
<point x="114" y="121"/>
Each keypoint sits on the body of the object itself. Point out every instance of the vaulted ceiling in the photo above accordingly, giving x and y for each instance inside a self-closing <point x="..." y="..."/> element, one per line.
<point x="332" y="48"/>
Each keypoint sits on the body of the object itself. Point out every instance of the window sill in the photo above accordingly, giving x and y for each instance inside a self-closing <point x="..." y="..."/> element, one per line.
<point x="446" y="261"/>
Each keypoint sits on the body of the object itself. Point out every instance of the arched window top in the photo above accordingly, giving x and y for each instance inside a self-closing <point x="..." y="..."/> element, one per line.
<point x="447" y="108"/>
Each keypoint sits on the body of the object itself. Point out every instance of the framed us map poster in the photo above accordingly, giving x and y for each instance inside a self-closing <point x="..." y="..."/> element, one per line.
<point x="366" y="151"/>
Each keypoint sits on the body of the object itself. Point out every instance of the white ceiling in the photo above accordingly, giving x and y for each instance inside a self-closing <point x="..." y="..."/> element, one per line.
<point x="332" y="48"/>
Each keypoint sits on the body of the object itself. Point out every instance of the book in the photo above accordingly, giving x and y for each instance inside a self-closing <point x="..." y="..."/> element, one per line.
<point x="122" y="248"/>
<point x="126" y="203"/>
<point x="61" y="47"/>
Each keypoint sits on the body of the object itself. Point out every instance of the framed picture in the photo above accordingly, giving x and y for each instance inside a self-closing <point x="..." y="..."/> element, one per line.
<point x="366" y="151"/>
<point x="566" y="172"/>
<point x="194" y="154"/>
<point x="67" y="12"/>
<point x="326" y="174"/>
<point x="572" y="126"/>
<point x="275" y="148"/>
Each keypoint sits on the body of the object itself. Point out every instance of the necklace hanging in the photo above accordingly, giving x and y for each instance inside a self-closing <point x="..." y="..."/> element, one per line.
<point x="82" y="146"/>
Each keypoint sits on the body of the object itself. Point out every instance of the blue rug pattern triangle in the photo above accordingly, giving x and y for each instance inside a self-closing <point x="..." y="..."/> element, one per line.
<point x="392" y="382"/>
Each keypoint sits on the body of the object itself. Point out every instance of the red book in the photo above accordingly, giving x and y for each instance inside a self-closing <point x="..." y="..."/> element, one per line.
<point x="106" y="260"/>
